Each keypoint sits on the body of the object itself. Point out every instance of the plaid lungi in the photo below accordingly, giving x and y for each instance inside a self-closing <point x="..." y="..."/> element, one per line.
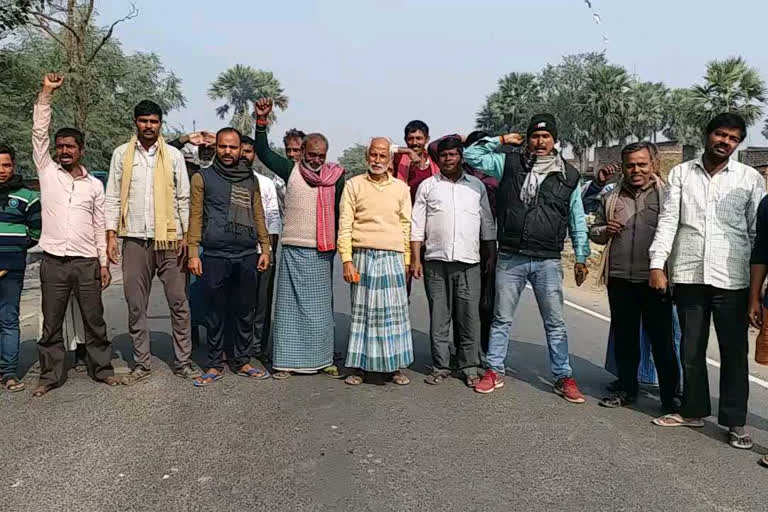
<point x="303" y="327"/>
<point x="380" y="334"/>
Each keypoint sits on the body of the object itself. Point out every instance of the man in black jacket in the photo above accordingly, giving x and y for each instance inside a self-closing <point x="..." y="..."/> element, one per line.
<point x="538" y="200"/>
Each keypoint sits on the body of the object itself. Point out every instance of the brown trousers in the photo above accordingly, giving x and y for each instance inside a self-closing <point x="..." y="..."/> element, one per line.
<point x="59" y="278"/>
<point x="140" y="264"/>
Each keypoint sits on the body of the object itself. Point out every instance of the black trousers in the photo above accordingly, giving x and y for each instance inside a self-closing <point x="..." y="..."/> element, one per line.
<point x="630" y="303"/>
<point x="262" y="318"/>
<point x="696" y="306"/>
<point x="59" y="278"/>
<point x="229" y="285"/>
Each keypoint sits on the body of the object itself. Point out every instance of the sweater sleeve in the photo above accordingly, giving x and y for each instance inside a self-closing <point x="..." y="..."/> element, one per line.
<point x="274" y="162"/>
<point x="405" y="223"/>
<point x="34" y="220"/>
<point x="195" y="232"/>
<point x="483" y="157"/>
<point x="261" y="224"/>
<point x="577" y="227"/>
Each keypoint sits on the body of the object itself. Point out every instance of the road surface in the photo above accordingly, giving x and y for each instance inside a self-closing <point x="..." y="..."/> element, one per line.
<point x="311" y="443"/>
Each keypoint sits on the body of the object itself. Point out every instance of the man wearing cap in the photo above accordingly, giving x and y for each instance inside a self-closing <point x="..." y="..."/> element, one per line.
<point x="538" y="200"/>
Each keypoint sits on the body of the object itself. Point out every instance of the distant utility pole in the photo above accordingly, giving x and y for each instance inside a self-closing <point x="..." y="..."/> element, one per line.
<point x="194" y="126"/>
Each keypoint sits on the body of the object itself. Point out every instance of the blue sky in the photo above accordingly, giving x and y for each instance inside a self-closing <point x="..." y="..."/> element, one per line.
<point x="356" y="69"/>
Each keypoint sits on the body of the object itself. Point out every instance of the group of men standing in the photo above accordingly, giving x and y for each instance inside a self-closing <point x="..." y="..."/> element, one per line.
<point x="477" y="218"/>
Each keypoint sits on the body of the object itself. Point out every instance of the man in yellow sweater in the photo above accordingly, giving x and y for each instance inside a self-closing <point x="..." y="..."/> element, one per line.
<point x="374" y="244"/>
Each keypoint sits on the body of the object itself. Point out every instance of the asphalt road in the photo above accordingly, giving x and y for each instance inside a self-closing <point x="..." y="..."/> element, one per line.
<point x="311" y="443"/>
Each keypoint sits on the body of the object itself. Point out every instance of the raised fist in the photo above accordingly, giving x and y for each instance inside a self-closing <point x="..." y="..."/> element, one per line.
<point x="263" y="107"/>
<point x="52" y="81"/>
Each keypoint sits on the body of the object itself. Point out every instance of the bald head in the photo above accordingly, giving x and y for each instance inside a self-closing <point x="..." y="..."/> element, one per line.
<point x="379" y="155"/>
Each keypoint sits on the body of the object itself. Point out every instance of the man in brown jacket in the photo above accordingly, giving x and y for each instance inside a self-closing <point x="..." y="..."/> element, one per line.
<point x="626" y="224"/>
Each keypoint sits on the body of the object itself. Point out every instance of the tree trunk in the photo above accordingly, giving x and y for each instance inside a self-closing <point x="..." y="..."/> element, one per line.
<point x="77" y="69"/>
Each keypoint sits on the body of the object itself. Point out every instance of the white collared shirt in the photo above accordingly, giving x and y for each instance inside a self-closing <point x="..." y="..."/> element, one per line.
<point x="452" y="217"/>
<point x="707" y="225"/>
<point x="270" y="203"/>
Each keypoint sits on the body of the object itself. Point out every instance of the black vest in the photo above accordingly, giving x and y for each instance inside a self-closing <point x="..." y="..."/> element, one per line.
<point x="538" y="230"/>
<point x="218" y="240"/>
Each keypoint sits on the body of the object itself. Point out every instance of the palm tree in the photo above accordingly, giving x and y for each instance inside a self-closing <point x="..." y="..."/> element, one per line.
<point x="678" y="123"/>
<point x="564" y="90"/>
<point x="730" y="85"/>
<point x="512" y="105"/>
<point x="608" y="103"/>
<point x="647" y="109"/>
<point x="240" y="86"/>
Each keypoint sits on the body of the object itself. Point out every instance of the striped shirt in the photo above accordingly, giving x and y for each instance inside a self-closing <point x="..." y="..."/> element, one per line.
<point x="707" y="226"/>
<point x="140" y="219"/>
<point x="20" y="226"/>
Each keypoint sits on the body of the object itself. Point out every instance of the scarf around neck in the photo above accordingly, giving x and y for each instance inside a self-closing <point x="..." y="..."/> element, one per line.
<point x="166" y="236"/>
<point x="541" y="168"/>
<point x="243" y="187"/>
<point x="325" y="181"/>
<point x="13" y="184"/>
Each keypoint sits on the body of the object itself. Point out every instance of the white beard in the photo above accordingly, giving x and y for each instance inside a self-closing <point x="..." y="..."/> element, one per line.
<point x="377" y="172"/>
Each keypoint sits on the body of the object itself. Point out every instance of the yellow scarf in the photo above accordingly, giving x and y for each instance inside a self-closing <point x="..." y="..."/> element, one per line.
<point x="165" y="222"/>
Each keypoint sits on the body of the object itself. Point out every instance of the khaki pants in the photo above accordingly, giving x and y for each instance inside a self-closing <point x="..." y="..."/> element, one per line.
<point x="140" y="264"/>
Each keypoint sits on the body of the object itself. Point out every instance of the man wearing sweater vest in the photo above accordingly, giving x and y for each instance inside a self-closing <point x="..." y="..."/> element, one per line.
<point x="147" y="206"/>
<point x="538" y="202"/>
<point x="303" y="333"/>
<point x="20" y="225"/>
<point x="227" y="220"/>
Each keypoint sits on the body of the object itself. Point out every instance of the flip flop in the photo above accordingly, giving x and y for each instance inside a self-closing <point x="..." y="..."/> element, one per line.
<point x="763" y="461"/>
<point x="353" y="380"/>
<point x="281" y="375"/>
<point x="433" y="379"/>
<point x="400" y="379"/>
<point x="333" y="372"/>
<point x="254" y="373"/>
<point x="14" y="388"/>
<point x="740" y="441"/>
<point x="201" y="383"/>
<point x="675" y="420"/>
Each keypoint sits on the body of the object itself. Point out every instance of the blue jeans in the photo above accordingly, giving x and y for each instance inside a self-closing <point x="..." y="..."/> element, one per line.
<point x="10" y="296"/>
<point x="513" y="271"/>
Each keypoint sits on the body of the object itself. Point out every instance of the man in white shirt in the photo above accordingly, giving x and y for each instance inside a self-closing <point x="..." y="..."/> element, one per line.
<point x="147" y="205"/>
<point x="452" y="215"/>
<point x="262" y="321"/>
<point x="705" y="236"/>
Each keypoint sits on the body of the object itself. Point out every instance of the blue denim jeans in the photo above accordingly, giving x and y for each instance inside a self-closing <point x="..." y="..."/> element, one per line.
<point x="513" y="271"/>
<point x="10" y="296"/>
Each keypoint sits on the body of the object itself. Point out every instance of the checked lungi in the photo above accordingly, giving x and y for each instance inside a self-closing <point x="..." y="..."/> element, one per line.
<point x="380" y="334"/>
<point x="303" y="332"/>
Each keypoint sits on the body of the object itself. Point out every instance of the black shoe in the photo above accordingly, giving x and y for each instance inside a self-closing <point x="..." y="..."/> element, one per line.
<point x="618" y="399"/>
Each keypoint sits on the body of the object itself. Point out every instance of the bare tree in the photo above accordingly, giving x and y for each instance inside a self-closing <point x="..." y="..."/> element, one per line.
<point x="70" y="24"/>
